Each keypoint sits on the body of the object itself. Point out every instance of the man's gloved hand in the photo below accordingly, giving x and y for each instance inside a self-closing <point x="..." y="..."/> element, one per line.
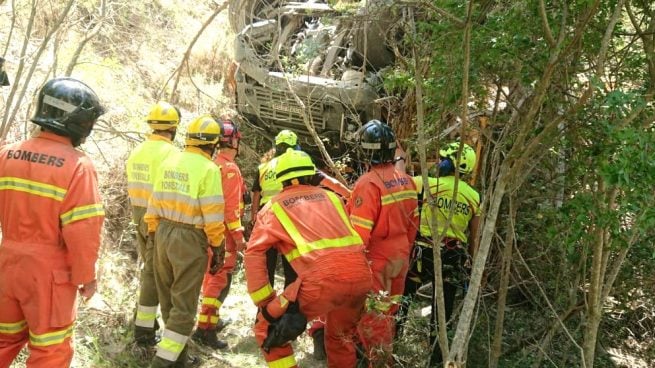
<point x="284" y="329"/>
<point x="240" y="245"/>
<point x="218" y="259"/>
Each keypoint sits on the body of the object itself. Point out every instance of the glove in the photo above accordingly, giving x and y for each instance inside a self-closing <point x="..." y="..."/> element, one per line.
<point x="240" y="245"/>
<point x="284" y="329"/>
<point x="218" y="259"/>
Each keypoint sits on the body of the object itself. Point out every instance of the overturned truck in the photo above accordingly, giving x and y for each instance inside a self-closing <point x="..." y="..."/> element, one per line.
<point x="327" y="56"/>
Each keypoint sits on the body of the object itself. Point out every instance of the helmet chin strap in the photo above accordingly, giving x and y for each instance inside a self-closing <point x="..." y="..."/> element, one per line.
<point x="78" y="141"/>
<point x="237" y="147"/>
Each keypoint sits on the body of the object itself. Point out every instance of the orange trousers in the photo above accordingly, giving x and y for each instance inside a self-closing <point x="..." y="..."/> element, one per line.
<point x="334" y="293"/>
<point x="216" y="287"/>
<point x="377" y="326"/>
<point x="37" y="305"/>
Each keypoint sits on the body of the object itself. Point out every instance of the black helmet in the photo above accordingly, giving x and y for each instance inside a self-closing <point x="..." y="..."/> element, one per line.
<point x="68" y="107"/>
<point x="378" y="142"/>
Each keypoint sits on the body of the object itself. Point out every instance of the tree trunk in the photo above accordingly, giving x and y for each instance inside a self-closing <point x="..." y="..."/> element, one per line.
<point x="594" y="303"/>
<point x="456" y="355"/>
<point x="496" y="345"/>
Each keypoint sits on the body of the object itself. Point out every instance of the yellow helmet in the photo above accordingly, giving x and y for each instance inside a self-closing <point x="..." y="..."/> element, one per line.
<point x="466" y="164"/>
<point x="287" y="137"/>
<point x="163" y="116"/>
<point x="202" y="130"/>
<point x="293" y="164"/>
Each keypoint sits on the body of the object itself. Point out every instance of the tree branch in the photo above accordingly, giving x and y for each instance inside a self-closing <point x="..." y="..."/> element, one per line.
<point x="35" y="63"/>
<point x="178" y="72"/>
<point x="91" y="35"/>
<point x="548" y="34"/>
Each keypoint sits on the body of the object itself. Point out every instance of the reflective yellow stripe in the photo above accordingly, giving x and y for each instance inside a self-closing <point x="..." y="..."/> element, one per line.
<point x="212" y="302"/>
<point x="398" y="196"/>
<point x="13" y="328"/>
<point x="51" y="338"/>
<point x="234" y="225"/>
<point x="139" y="196"/>
<point x="202" y="318"/>
<point x="361" y="222"/>
<point x="336" y="202"/>
<point x="33" y="187"/>
<point x="261" y="294"/>
<point x="171" y="345"/>
<point x="176" y="208"/>
<point x="81" y="213"/>
<point x="286" y="362"/>
<point x="291" y="255"/>
<point x="146" y="316"/>
<point x="304" y="247"/>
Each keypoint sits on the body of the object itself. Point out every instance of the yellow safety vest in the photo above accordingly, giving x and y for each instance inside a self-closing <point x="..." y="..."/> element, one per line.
<point x="268" y="182"/>
<point x="465" y="206"/>
<point x="142" y="165"/>
<point x="188" y="190"/>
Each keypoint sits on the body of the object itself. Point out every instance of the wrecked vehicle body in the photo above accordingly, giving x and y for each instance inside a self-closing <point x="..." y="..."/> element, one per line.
<point x="306" y="63"/>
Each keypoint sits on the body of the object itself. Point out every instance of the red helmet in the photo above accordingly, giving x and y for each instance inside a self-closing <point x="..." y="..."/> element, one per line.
<point x="229" y="130"/>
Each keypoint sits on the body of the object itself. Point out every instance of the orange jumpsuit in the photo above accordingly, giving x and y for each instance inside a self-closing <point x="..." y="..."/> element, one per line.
<point x="216" y="287"/>
<point x="51" y="217"/>
<point x="310" y="227"/>
<point x="383" y="209"/>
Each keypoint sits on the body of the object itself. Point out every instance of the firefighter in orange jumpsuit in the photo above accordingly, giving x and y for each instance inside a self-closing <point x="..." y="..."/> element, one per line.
<point x="142" y="165"/>
<point x="265" y="186"/>
<point x="383" y="210"/>
<point x="216" y="287"/>
<point x="310" y="227"/>
<point x="51" y="217"/>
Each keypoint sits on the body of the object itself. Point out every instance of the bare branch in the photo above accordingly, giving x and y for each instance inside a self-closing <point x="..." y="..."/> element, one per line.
<point x="548" y="34"/>
<point x="178" y="72"/>
<point x="4" y="127"/>
<point x="57" y="24"/>
<point x="508" y="244"/>
<point x="458" y="22"/>
<point x="100" y="22"/>
<point x="11" y="28"/>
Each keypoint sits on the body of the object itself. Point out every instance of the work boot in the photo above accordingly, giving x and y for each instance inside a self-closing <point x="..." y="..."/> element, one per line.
<point x="145" y="337"/>
<point x="186" y="360"/>
<point x="319" y="344"/>
<point x="158" y="362"/>
<point x="207" y="337"/>
<point x="222" y="323"/>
